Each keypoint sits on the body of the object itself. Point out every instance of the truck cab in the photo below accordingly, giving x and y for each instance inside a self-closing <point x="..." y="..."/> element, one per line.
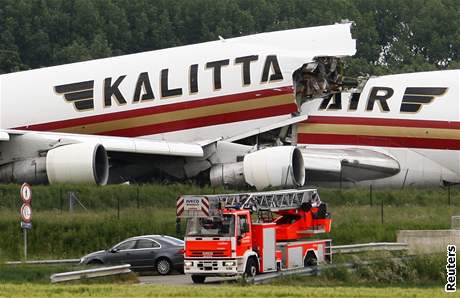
<point x="218" y="245"/>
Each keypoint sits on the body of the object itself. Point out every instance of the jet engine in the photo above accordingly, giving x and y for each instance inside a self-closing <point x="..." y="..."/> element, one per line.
<point x="78" y="163"/>
<point x="74" y="163"/>
<point x="271" y="167"/>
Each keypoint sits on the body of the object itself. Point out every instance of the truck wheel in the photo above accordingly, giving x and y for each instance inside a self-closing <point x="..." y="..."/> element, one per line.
<point x="251" y="268"/>
<point x="310" y="260"/>
<point x="198" y="279"/>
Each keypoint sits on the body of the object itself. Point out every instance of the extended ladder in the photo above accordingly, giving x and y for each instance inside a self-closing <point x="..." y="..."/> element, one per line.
<point x="209" y="205"/>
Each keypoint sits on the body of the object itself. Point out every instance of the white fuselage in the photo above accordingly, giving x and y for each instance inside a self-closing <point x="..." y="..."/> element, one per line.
<point x="188" y="93"/>
<point x="413" y="117"/>
<point x="223" y="89"/>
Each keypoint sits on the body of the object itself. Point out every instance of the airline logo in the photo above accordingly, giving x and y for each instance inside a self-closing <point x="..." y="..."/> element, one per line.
<point x="415" y="97"/>
<point x="149" y="119"/>
<point x="413" y="100"/>
<point x="81" y="94"/>
<point x="380" y="131"/>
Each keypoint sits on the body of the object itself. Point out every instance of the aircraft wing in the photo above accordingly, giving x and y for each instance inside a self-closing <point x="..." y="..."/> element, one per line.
<point x="4" y="136"/>
<point x="347" y="164"/>
<point x="280" y="124"/>
<point x="42" y="157"/>
<point x="113" y="144"/>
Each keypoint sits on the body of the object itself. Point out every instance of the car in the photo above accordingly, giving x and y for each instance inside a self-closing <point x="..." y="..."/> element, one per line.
<point x="160" y="253"/>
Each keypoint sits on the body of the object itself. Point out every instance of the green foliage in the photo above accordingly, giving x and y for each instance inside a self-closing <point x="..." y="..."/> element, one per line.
<point x="40" y="274"/>
<point x="306" y="290"/>
<point x="56" y="197"/>
<point x="393" y="36"/>
<point x="144" y="209"/>
<point x="417" y="270"/>
<point x="58" y="233"/>
<point x="385" y="270"/>
<point x="73" y="235"/>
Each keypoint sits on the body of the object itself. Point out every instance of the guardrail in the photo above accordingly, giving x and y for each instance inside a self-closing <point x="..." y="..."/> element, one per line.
<point x="90" y="273"/>
<point x="307" y="271"/>
<point x="388" y="246"/>
<point x="264" y="278"/>
<point x="369" y="247"/>
<point x="45" y="262"/>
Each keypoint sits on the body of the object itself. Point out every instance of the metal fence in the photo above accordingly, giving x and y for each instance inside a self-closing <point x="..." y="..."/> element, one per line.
<point x="90" y="273"/>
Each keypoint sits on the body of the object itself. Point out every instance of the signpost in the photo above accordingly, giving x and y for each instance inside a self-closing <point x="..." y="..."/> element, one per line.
<point x="26" y="212"/>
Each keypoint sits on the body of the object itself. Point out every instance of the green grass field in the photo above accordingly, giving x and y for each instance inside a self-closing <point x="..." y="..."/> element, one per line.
<point x="62" y="291"/>
<point x="150" y="209"/>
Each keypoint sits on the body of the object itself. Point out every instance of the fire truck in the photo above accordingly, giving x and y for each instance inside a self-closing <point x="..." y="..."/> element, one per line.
<point x="250" y="233"/>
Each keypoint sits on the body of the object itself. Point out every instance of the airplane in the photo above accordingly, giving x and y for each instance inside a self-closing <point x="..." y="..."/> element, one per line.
<point x="174" y="113"/>
<point x="261" y="110"/>
<point x="411" y="119"/>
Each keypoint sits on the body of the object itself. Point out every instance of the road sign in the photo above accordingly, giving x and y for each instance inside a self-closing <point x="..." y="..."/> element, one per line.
<point x="26" y="193"/>
<point x="26" y="213"/>
<point x="26" y="225"/>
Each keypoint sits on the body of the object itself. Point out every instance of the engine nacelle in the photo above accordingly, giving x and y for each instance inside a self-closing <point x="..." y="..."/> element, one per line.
<point x="78" y="163"/>
<point x="30" y="170"/>
<point x="271" y="167"/>
<point x="274" y="167"/>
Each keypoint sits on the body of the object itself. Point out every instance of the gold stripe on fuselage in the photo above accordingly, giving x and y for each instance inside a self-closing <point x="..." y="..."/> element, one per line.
<point x="179" y="115"/>
<point x="379" y="131"/>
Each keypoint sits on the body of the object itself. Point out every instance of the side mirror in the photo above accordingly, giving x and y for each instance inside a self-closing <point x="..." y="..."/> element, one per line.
<point x="113" y="250"/>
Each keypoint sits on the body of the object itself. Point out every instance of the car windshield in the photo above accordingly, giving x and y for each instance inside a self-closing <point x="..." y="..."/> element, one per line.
<point x="211" y="226"/>
<point x="172" y="240"/>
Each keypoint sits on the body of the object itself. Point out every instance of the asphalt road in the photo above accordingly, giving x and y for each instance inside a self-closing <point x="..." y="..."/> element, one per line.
<point x="180" y="279"/>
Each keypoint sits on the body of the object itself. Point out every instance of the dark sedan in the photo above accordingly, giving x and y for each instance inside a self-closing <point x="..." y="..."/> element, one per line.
<point x="158" y="252"/>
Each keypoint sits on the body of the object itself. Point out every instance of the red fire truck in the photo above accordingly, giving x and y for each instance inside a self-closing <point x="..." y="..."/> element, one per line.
<point x="251" y="233"/>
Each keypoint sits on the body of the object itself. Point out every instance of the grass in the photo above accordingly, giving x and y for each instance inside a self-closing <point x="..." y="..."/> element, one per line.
<point x="360" y="224"/>
<point x="97" y="198"/>
<point x="58" y="233"/>
<point x="385" y="270"/>
<point x="64" y="235"/>
<point x="9" y="290"/>
<point x="55" y="197"/>
<point x="40" y="274"/>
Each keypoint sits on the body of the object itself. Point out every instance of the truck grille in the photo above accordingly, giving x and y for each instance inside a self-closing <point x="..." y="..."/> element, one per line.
<point x="207" y="254"/>
<point x="208" y="266"/>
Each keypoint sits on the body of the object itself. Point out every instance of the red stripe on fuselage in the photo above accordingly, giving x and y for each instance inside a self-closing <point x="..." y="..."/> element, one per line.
<point x="203" y="121"/>
<point x="50" y="126"/>
<point x="382" y="141"/>
<point x="332" y="139"/>
<point x="383" y="122"/>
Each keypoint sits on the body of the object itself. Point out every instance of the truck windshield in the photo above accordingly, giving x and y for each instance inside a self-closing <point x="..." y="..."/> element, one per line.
<point x="213" y="226"/>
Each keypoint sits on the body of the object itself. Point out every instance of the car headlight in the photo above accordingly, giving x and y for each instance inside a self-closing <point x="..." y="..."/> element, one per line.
<point x="188" y="263"/>
<point x="229" y="263"/>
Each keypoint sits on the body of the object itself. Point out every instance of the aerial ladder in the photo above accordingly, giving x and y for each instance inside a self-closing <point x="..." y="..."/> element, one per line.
<point x="252" y="233"/>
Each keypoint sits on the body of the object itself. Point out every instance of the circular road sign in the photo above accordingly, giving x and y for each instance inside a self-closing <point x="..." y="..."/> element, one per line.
<point x="26" y="213"/>
<point x="26" y="193"/>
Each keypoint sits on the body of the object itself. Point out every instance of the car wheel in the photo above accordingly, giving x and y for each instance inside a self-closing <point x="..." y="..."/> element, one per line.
<point x="251" y="268"/>
<point x="163" y="266"/>
<point x="95" y="262"/>
<point x="198" y="279"/>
